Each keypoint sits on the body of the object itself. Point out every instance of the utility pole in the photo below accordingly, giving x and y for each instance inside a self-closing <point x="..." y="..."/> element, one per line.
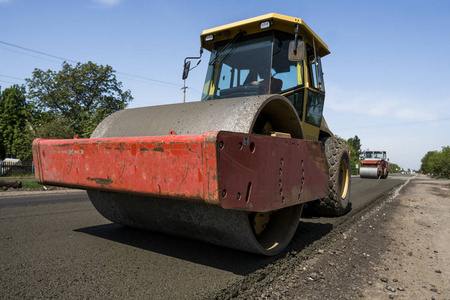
<point x="184" y="91"/>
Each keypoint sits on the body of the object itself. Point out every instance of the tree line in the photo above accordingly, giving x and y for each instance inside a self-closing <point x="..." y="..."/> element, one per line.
<point x="437" y="162"/>
<point x="59" y="104"/>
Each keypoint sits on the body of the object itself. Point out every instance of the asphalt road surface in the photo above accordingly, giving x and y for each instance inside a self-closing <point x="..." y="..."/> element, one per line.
<point x="26" y="198"/>
<point x="59" y="246"/>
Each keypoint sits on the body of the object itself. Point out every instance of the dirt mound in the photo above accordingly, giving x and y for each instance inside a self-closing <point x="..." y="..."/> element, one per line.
<point x="10" y="185"/>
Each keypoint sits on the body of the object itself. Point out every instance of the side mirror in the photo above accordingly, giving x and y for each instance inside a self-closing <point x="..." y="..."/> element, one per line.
<point x="187" y="67"/>
<point x="296" y="53"/>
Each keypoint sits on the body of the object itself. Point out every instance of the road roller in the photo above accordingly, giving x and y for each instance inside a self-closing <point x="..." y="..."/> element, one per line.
<point x="375" y="165"/>
<point x="234" y="169"/>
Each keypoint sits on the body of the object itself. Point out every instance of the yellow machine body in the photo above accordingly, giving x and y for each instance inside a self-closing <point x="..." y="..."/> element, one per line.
<point x="306" y="90"/>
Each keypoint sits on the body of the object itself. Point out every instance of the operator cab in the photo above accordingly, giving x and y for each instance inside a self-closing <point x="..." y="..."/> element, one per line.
<point x="252" y="65"/>
<point x="375" y="155"/>
<point x="270" y="54"/>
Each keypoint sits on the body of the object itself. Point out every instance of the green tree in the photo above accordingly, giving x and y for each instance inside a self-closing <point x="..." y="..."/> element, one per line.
<point x="2" y="146"/>
<point x="445" y="161"/>
<point x="78" y="98"/>
<point x="428" y="162"/>
<point x="437" y="162"/>
<point x="354" y="157"/>
<point x="14" y="126"/>
<point x="355" y="142"/>
<point x="55" y="127"/>
<point x="394" y="168"/>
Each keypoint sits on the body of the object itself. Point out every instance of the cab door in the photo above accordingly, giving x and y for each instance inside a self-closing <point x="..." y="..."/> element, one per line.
<point x="314" y="97"/>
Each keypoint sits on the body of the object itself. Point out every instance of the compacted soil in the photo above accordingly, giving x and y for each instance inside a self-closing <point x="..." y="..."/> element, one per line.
<point x="399" y="250"/>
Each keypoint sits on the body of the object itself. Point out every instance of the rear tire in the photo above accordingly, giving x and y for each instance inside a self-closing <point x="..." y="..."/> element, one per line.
<point x="336" y="203"/>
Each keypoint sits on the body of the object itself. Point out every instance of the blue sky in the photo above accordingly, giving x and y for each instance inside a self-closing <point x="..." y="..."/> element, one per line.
<point x="387" y="77"/>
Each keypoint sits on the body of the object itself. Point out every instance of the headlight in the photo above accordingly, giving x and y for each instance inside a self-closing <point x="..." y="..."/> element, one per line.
<point x="265" y="24"/>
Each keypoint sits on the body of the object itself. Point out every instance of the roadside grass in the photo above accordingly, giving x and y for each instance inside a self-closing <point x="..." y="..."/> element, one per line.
<point x="31" y="185"/>
<point x="19" y="176"/>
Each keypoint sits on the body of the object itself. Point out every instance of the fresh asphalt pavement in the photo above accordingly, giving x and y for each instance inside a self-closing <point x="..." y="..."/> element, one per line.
<point x="56" y="245"/>
<point x="11" y="199"/>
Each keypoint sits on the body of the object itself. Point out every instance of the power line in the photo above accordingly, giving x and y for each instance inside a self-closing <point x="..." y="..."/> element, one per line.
<point x="11" y="77"/>
<point x="161" y="83"/>
<point x="134" y="77"/>
<point x="8" y="81"/>
<point x="29" y="55"/>
<point x="73" y="61"/>
<point x="149" y="79"/>
<point x="196" y="90"/>
<point x="39" y="52"/>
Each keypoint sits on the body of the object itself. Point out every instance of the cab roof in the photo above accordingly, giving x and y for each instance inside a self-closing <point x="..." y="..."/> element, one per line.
<point x="251" y="26"/>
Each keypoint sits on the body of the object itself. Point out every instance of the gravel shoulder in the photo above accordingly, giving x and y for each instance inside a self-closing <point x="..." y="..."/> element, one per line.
<point x="415" y="262"/>
<point x="399" y="250"/>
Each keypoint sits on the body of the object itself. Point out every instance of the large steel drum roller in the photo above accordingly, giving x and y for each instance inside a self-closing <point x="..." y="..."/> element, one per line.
<point x="263" y="233"/>
<point x="370" y="172"/>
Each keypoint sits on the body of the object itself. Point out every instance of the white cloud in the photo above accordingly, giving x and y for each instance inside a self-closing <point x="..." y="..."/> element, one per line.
<point x="394" y="121"/>
<point x="410" y="113"/>
<point x="105" y="2"/>
<point x="376" y="104"/>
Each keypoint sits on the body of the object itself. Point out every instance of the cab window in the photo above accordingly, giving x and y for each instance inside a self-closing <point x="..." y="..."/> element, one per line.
<point x="252" y="66"/>
<point x="237" y="69"/>
<point x="314" y="108"/>
<point x="296" y="99"/>
<point x="315" y="70"/>
<point x="289" y="72"/>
